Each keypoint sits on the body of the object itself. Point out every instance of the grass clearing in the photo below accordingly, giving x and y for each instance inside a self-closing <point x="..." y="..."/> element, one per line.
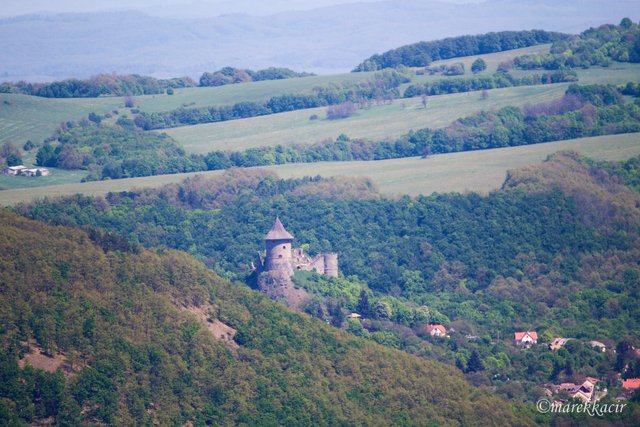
<point x="57" y="177"/>
<point x="24" y="117"/>
<point x="491" y="59"/>
<point x="386" y="121"/>
<point x="94" y="188"/>
<point x="194" y="97"/>
<point x="480" y="171"/>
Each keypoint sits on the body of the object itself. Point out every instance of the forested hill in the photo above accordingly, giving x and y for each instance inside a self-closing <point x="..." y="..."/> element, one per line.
<point x="134" y="335"/>
<point x="423" y="53"/>
<point x="595" y="46"/>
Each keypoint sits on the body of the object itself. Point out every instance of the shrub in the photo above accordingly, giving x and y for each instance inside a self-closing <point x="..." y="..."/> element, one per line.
<point x="341" y="111"/>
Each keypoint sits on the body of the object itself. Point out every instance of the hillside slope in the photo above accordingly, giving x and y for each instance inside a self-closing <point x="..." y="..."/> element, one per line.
<point x="135" y="334"/>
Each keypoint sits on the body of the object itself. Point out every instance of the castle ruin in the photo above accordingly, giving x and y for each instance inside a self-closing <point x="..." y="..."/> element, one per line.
<point x="280" y="256"/>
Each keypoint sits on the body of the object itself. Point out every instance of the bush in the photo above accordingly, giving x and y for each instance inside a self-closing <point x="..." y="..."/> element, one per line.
<point x="478" y="66"/>
<point x="341" y="111"/>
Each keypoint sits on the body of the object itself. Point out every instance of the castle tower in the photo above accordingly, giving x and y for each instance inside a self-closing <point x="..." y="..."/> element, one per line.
<point x="278" y="245"/>
<point x="331" y="265"/>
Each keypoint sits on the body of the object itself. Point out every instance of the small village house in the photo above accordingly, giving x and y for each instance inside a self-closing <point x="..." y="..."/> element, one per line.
<point x="526" y="338"/>
<point x="631" y="384"/>
<point x="14" y="170"/>
<point x="22" y="170"/>
<point x="629" y="387"/>
<point x="584" y="391"/>
<point x="436" y="330"/>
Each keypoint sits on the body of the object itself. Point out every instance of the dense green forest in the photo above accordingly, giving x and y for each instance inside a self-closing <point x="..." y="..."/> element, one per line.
<point x="423" y="53"/>
<point x="593" y="47"/>
<point x="112" y="152"/>
<point x="131" y="333"/>
<point x="555" y="251"/>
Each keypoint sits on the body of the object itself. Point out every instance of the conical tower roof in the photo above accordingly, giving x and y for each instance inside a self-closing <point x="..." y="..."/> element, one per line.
<point x="278" y="232"/>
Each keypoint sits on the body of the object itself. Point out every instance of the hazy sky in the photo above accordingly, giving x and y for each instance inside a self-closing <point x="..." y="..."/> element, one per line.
<point x="181" y="9"/>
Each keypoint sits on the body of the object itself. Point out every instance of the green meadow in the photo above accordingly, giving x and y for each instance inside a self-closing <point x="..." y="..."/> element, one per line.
<point x="479" y="171"/>
<point x="377" y="122"/>
<point x="33" y="118"/>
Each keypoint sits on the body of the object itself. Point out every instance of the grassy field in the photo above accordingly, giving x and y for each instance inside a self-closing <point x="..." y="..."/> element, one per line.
<point x="377" y="122"/>
<point x="492" y="60"/>
<point x="230" y="94"/>
<point x="57" y="177"/>
<point x="380" y="121"/>
<point x="30" y="117"/>
<point x="480" y="171"/>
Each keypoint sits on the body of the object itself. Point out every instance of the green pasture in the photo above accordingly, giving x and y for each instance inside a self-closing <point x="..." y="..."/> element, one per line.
<point x="33" y="118"/>
<point x="480" y="171"/>
<point x="377" y="122"/>
<point x="491" y="59"/>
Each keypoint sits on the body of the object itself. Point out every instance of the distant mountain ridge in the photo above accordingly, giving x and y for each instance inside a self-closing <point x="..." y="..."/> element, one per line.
<point x="325" y="40"/>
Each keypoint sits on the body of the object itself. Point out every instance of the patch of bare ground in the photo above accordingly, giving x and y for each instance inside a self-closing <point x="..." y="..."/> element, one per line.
<point x="39" y="359"/>
<point x="218" y="329"/>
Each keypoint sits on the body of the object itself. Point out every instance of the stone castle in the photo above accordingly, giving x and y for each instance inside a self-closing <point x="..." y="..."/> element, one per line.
<point x="281" y="257"/>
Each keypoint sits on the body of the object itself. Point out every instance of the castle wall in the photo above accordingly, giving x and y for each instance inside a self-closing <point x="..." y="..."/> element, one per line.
<point x="318" y="264"/>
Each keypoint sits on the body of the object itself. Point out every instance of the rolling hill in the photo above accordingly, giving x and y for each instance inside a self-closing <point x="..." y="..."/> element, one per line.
<point x="96" y="331"/>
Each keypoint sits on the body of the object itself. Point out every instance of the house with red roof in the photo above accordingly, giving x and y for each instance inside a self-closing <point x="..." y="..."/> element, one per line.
<point x="526" y="338"/>
<point x="436" y="330"/>
<point x="631" y="384"/>
<point x="583" y="391"/>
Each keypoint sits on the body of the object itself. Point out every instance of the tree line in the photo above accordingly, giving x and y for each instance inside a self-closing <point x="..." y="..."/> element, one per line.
<point x="134" y="84"/>
<point x="495" y="81"/>
<point x="382" y="87"/>
<point x="113" y="152"/>
<point x="230" y="75"/>
<point x="594" y="47"/>
<point x="100" y="85"/>
<point x="423" y="53"/>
